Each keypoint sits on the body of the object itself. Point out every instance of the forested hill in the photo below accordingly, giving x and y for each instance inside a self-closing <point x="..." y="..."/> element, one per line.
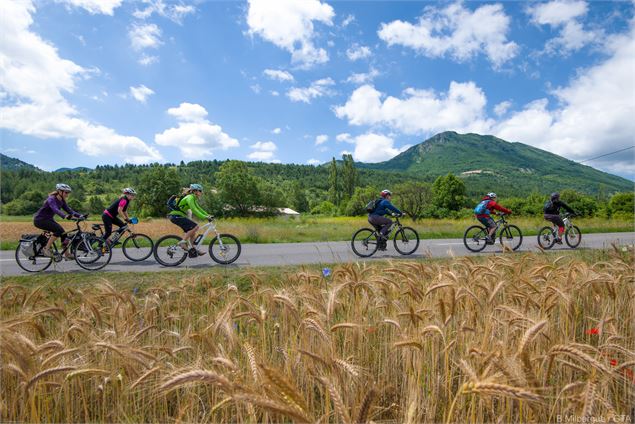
<point x="487" y="161"/>
<point x="11" y="164"/>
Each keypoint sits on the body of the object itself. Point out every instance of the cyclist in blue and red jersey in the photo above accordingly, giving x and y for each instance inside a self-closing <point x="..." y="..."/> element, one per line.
<point x="44" y="218"/>
<point x="483" y="214"/>
<point x="377" y="218"/>
<point x="118" y="208"/>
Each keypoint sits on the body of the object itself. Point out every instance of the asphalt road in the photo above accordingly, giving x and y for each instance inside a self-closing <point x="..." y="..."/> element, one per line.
<point x="312" y="253"/>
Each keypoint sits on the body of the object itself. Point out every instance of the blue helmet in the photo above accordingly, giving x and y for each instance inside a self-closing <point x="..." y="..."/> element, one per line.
<point x="196" y="187"/>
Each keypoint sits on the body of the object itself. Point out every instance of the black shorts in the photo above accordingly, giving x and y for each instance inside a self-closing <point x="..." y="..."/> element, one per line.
<point x="49" y="225"/>
<point x="488" y="222"/>
<point x="183" y="222"/>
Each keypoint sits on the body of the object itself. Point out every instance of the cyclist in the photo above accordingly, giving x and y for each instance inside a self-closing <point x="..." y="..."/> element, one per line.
<point x="377" y="218"/>
<point x="44" y="219"/>
<point x="552" y="213"/>
<point x="189" y="201"/>
<point x="118" y="207"/>
<point x="482" y="211"/>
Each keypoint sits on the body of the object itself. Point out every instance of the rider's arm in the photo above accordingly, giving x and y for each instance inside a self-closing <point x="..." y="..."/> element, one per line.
<point x="52" y="203"/>
<point x="567" y="207"/>
<point x="498" y="207"/>
<point x="196" y="209"/>
<point x="120" y="209"/>
<point x="70" y="211"/>
<point x="391" y="207"/>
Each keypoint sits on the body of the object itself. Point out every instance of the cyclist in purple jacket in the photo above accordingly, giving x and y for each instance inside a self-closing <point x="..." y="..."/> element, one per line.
<point x="43" y="219"/>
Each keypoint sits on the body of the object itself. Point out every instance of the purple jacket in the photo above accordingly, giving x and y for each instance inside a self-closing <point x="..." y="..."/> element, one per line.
<point x="53" y="206"/>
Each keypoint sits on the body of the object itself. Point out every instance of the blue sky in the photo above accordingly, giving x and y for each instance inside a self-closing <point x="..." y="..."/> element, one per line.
<point x="89" y="82"/>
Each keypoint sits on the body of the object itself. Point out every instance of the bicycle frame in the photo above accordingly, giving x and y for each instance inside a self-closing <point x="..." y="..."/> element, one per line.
<point x="77" y="233"/>
<point x="394" y="225"/>
<point x="210" y="226"/>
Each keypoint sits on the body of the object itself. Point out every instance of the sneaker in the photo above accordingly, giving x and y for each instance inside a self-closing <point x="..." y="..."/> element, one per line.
<point x="69" y="257"/>
<point x="200" y="252"/>
<point x="559" y="240"/>
<point x="489" y="240"/>
<point x="183" y="245"/>
<point x="46" y="252"/>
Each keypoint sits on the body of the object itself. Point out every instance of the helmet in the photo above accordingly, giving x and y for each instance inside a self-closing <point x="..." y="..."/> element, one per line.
<point x="63" y="187"/>
<point x="196" y="187"/>
<point x="385" y="193"/>
<point x="492" y="195"/>
<point x="555" y="196"/>
<point x="129" y="190"/>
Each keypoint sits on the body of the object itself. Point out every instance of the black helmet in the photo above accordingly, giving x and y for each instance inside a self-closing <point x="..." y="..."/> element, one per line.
<point x="555" y="196"/>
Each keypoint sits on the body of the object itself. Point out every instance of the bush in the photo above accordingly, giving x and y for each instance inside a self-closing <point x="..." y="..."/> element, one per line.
<point x="325" y="208"/>
<point x="622" y="204"/>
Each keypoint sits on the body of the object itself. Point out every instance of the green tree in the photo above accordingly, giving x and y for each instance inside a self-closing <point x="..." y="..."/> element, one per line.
<point x="362" y="195"/>
<point x="334" y="186"/>
<point x="237" y="186"/>
<point x="581" y="203"/>
<point x="414" y="198"/>
<point x="325" y="208"/>
<point x="449" y="192"/>
<point x="622" y="205"/>
<point x="298" y="200"/>
<point x="155" y="187"/>
<point x="95" y="205"/>
<point x="349" y="176"/>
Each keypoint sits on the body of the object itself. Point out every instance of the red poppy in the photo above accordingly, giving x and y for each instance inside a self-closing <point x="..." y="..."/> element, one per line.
<point x="593" y="330"/>
<point x="613" y="362"/>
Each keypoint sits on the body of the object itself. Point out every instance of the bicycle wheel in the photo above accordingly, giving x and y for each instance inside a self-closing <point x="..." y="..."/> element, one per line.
<point x="364" y="242"/>
<point x="546" y="239"/>
<point x="92" y="253"/>
<point x="511" y="236"/>
<point x="573" y="236"/>
<point x="406" y="240"/>
<point x="167" y="252"/>
<point x="475" y="238"/>
<point x="34" y="263"/>
<point x="224" y="249"/>
<point x="137" y="247"/>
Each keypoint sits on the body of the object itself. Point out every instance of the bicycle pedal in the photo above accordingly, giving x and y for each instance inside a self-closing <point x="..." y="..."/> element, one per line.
<point x="192" y="253"/>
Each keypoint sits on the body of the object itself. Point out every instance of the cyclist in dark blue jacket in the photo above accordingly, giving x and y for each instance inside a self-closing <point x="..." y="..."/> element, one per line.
<point x="377" y="218"/>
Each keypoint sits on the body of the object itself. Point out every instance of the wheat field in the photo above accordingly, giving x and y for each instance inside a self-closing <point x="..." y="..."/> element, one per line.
<point x="512" y="338"/>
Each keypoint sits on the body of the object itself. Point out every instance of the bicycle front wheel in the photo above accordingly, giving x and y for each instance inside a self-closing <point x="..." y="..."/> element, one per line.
<point x="137" y="247"/>
<point x="475" y="238"/>
<point x="512" y="237"/>
<point x="546" y="238"/>
<point x="364" y="242"/>
<point x="167" y="252"/>
<point x="573" y="236"/>
<point x="406" y="240"/>
<point x="92" y="253"/>
<point x="224" y="249"/>
<point x="32" y="263"/>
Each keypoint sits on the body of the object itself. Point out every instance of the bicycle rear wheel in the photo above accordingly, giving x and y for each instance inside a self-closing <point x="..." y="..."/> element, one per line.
<point x="92" y="253"/>
<point x="364" y="242"/>
<point x="167" y="252"/>
<point x="511" y="236"/>
<point x="546" y="238"/>
<point x="573" y="236"/>
<point x="35" y="263"/>
<point x="224" y="249"/>
<point x="406" y="240"/>
<point x="475" y="238"/>
<point x="137" y="247"/>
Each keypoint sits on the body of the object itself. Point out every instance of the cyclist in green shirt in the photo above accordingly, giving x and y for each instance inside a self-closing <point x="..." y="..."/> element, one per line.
<point x="189" y="201"/>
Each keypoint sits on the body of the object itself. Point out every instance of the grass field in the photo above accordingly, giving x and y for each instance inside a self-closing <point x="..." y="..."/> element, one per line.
<point x="305" y="229"/>
<point x="510" y="338"/>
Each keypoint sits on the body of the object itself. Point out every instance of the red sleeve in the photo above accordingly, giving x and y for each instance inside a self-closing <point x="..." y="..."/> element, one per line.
<point x="122" y="203"/>
<point x="494" y="205"/>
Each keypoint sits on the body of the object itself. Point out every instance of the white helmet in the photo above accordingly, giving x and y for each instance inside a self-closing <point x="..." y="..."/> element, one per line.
<point x="129" y="190"/>
<point x="63" y="187"/>
<point x="492" y="195"/>
<point x="385" y="193"/>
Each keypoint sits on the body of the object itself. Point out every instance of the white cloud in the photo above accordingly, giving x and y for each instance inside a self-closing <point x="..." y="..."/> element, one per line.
<point x="356" y="52"/>
<point x="141" y="93"/>
<point x="94" y="7"/>
<point x="372" y="147"/>
<point x="321" y="139"/>
<point x="255" y="88"/>
<point x="363" y="78"/>
<point x="274" y="93"/>
<point x="147" y="60"/>
<point x="144" y="36"/>
<point x="317" y="89"/>
<point x="172" y="11"/>
<point x="419" y="111"/>
<point x="289" y="25"/>
<point x="564" y="14"/>
<point x="348" y="20"/>
<point x="32" y="71"/>
<point x="195" y="136"/>
<point x="276" y="74"/>
<point x="502" y="108"/>
<point x="263" y="151"/>
<point x="344" y="137"/>
<point x="455" y="31"/>
<point x="276" y="131"/>
<point x="314" y="162"/>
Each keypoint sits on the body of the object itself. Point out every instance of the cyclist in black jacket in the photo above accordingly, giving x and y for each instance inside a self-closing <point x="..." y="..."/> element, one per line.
<point x="118" y="208"/>
<point x="552" y="213"/>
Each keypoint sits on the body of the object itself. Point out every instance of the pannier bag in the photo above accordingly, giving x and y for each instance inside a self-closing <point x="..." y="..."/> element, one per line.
<point x="28" y="244"/>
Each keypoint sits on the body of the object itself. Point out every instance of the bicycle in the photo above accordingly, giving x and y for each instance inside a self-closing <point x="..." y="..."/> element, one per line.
<point x="475" y="237"/>
<point x="223" y="248"/>
<point x="365" y="241"/>
<point x="548" y="234"/>
<point x="87" y="249"/>
<point x="136" y="247"/>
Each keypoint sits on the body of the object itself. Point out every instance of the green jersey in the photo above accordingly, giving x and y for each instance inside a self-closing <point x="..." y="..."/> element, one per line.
<point x="190" y="202"/>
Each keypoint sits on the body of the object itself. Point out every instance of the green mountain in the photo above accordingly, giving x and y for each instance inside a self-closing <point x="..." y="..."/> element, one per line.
<point x="491" y="164"/>
<point x="78" y="169"/>
<point x="11" y="164"/>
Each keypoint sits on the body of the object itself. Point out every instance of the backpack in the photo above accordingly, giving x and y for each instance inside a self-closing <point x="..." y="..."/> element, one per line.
<point x="372" y="205"/>
<point x="173" y="203"/>
<point x="481" y="208"/>
<point x="548" y="205"/>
